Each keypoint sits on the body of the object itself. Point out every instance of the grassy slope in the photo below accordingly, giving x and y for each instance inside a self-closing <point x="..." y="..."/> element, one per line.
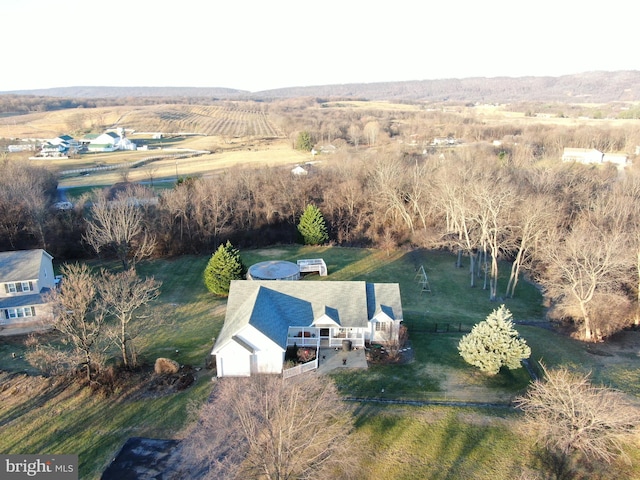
<point x="425" y="442"/>
<point x="95" y="427"/>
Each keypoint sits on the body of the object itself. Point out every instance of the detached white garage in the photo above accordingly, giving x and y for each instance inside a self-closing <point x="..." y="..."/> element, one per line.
<point x="247" y="352"/>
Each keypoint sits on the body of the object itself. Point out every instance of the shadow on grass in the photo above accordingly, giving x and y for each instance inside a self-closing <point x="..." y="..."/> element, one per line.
<point x="440" y="443"/>
<point x="388" y="381"/>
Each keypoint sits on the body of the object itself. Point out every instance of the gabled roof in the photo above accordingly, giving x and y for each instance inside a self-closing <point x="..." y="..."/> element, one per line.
<point x="271" y="307"/>
<point x="384" y="297"/>
<point x="240" y="341"/>
<point x="109" y="138"/>
<point x="21" y="265"/>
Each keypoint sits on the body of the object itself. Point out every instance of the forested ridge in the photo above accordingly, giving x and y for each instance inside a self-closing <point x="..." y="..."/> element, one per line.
<point x="587" y="87"/>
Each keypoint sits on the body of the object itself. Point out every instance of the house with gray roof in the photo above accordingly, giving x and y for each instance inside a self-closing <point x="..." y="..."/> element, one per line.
<point x="265" y="317"/>
<point x="26" y="276"/>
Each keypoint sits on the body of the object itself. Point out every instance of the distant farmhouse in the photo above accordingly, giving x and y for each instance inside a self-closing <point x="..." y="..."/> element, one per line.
<point x="26" y="276"/>
<point x="59" y="147"/>
<point x="109" y="142"/>
<point x="593" y="156"/>
<point x="265" y="317"/>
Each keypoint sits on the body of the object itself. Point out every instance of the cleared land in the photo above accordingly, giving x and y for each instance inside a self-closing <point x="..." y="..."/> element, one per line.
<point x="230" y="119"/>
<point x="236" y="135"/>
<point x="257" y="153"/>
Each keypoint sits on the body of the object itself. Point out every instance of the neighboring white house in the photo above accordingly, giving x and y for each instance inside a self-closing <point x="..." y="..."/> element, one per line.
<point x="26" y="276"/>
<point x="593" y="156"/>
<point x="67" y="140"/>
<point x="264" y="318"/>
<point x="105" y="142"/>
<point x="110" y="142"/>
<point x="582" y="155"/>
<point x="50" y="150"/>
<point x="619" y="159"/>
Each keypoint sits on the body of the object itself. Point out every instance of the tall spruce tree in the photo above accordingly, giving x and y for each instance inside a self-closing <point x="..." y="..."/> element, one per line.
<point x="304" y="141"/>
<point x="225" y="265"/>
<point x="494" y="343"/>
<point x="312" y="226"/>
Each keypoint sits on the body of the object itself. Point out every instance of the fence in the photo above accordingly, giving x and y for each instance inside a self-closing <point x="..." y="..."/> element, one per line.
<point x="443" y="327"/>
<point x="302" y="368"/>
<point x="187" y="154"/>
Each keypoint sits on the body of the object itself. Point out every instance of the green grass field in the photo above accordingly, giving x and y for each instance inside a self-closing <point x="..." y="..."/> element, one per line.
<point x="409" y="442"/>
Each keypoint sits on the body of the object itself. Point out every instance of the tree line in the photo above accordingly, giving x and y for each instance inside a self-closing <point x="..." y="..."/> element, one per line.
<point x="570" y="227"/>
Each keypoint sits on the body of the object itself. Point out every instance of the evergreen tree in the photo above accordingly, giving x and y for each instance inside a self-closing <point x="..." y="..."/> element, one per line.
<point x="494" y="343"/>
<point x="304" y="141"/>
<point x="225" y="265"/>
<point x="312" y="226"/>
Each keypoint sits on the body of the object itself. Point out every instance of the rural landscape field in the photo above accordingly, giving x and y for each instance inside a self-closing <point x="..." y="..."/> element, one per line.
<point x="466" y="205"/>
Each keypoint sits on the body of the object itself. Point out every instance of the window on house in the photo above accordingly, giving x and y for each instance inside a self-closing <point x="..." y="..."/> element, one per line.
<point x="15" y="287"/>
<point x="20" y="312"/>
<point x="381" y="326"/>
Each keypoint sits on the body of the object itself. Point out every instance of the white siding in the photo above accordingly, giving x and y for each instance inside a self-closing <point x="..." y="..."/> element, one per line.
<point x="386" y="333"/>
<point x="233" y="360"/>
<point x="269" y="361"/>
<point x="47" y="278"/>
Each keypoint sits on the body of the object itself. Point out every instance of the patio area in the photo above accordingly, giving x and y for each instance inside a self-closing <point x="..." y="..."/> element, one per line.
<point x="330" y="359"/>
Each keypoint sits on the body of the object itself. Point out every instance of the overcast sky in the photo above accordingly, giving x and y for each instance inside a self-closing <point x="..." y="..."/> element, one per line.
<point x="258" y="45"/>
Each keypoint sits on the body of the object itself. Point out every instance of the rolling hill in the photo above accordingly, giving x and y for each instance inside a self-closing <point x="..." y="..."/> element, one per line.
<point x="588" y="87"/>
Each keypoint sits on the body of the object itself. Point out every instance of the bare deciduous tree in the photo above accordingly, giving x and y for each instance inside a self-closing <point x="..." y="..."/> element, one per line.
<point x="123" y="295"/>
<point x="26" y="193"/>
<point x="264" y="427"/>
<point x="371" y="131"/>
<point x="119" y="225"/>
<point x="495" y="199"/>
<point x="355" y="134"/>
<point x="78" y="313"/>
<point x="581" y="263"/>
<point x="534" y="218"/>
<point x="573" y="418"/>
<point x="452" y="198"/>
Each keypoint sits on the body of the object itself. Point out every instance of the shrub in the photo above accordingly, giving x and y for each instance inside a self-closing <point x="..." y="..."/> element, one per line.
<point x="306" y="354"/>
<point x="166" y="366"/>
